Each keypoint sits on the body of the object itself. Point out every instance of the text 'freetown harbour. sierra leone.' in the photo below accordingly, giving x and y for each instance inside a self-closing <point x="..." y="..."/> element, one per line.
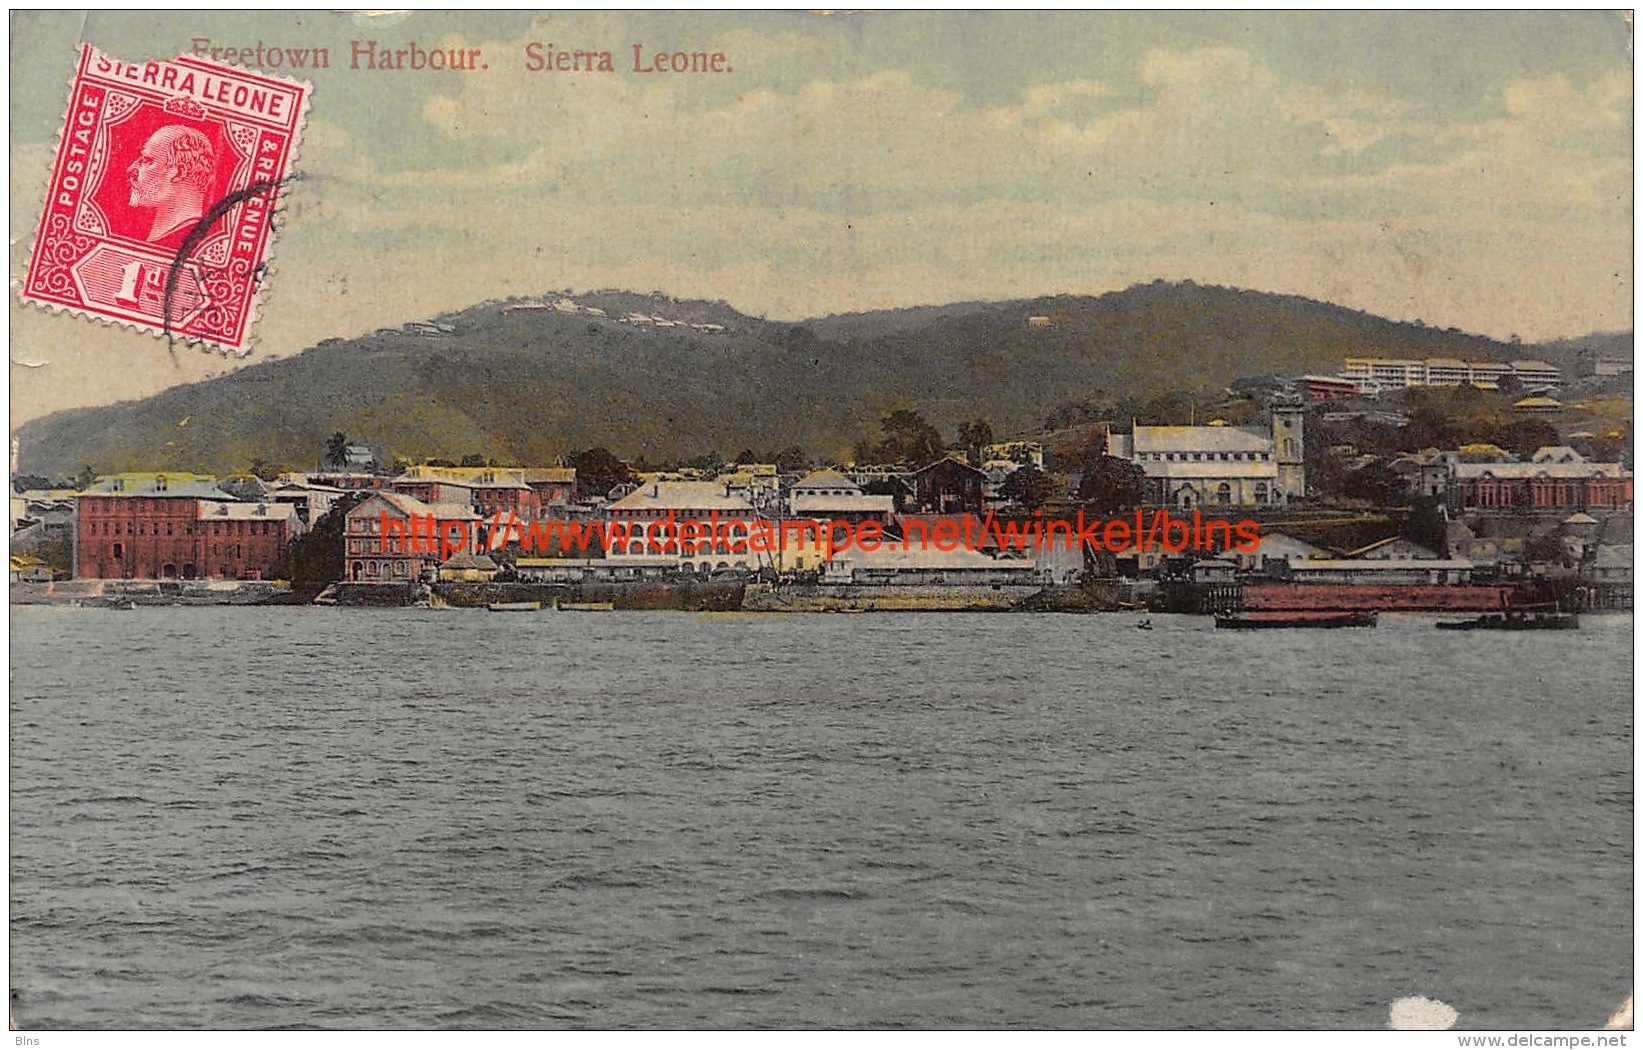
<point x="1493" y="487"/>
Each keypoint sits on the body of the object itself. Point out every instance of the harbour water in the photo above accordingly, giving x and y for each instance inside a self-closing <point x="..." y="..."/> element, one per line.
<point x="306" y="817"/>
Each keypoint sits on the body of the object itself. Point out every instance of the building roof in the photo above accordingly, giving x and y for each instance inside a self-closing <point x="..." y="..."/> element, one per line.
<point x="802" y="505"/>
<point x="950" y="460"/>
<point x="549" y="475"/>
<point x="680" y="495"/>
<point x="225" y="511"/>
<point x="1199" y="439"/>
<point x="1556" y="454"/>
<point x="285" y="486"/>
<point x="1384" y="565"/>
<point x="176" y="483"/>
<point x="470" y="561"/>
<point x="470" y="477"/>
<point x="411" y="505"/>
<point x="1483" y="448"/>
<point x="1391" y="541"/>
<point x="1525" y="471"/>
<point x="827" y="478"/>
<point x="1282" y="544"/>
<point x="1614" y="556"/>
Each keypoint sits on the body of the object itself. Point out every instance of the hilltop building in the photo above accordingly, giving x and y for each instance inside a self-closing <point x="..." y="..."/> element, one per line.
<point x="1396" y="372"/>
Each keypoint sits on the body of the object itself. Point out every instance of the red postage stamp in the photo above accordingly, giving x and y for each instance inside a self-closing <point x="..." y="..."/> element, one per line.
<point x="159" y="212"/>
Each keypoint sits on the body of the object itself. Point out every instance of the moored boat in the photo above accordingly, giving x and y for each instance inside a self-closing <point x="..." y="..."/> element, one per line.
<point x="1258" y="621"/>
<point x="1518" y="618"/>
<point x="514" y="606"/>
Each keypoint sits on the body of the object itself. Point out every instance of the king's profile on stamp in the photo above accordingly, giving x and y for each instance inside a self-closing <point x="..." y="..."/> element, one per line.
<point x="159" y="212"/>
<point x="172" y="175"/>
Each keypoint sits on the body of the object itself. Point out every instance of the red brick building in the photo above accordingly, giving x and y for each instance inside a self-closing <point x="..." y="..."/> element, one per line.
<point x="394" y="538"/>
<point x="505" y="492"/>
<point x="1531" y="485"/>
<point x="1557" y="478"/>
<point x="154" y="527"/>
<point x="433" y="490"/>
<point x="489" y="490"/>
<point x="555" y="486"/>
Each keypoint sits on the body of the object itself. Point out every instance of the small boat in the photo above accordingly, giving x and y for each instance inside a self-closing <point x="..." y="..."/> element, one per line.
<point x="1546" y="617"/>
<point x="514" y="606"/>
<point x="584" y="606"/>
<point x="1260" y="620"/>
<point x="1144" y="625"/>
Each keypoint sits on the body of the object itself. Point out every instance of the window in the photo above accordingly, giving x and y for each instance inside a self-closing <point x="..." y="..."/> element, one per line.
<point x="119" y="552"/>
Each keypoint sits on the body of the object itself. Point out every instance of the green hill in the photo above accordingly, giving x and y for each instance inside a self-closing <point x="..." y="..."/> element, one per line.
<point x="523" y="381"/>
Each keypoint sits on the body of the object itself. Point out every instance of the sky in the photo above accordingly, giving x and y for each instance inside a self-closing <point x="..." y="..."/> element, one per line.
<point x="1467" y="169"/>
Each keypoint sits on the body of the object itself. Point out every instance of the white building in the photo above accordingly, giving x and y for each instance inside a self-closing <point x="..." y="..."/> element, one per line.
<point x="1219" y="465"/>
<point x="1396" y="372"/>
<point x="827" y="495"/>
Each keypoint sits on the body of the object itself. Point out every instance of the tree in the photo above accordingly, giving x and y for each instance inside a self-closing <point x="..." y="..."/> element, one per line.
<point x="336" y="450"/>
<point x="975" y="436"/>
<point x="909" y="439"/>
<point x="318" y="558"/>
<point x="57" y="555"/>
<point x="1524" y="436"/>
<point x="598" y="471"/>
<point x="1548" y="550"/>
<point x="1112" y="484"/>
<point x="791" y="459"/>
<point x="1028" y="488"/>
<point x="25" y="482"/>
<point x="1378" y="483"/>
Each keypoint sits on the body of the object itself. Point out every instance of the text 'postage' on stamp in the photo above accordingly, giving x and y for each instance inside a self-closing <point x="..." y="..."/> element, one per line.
<point x="159" y="209"/>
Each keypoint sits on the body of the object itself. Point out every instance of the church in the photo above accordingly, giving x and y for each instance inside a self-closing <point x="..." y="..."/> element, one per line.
<point x="1219" y="465"/>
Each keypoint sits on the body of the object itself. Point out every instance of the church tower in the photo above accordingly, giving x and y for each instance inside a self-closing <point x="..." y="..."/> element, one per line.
<point x="1289" y="447"/>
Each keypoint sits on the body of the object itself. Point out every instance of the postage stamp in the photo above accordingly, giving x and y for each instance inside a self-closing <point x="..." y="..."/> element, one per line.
<point x="159" y="210"/>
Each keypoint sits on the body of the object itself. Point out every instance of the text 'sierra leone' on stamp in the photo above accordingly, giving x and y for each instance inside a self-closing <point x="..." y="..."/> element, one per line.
<point x="159" y="209"/>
